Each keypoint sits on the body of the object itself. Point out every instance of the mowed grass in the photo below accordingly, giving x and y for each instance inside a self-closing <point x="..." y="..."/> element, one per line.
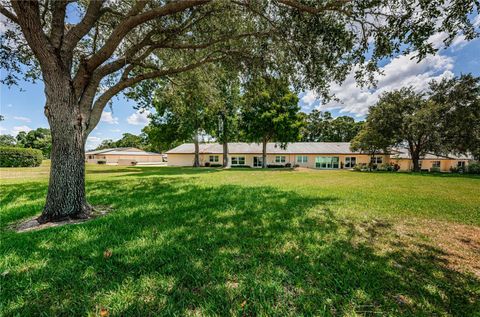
<point x="208" y="242"/>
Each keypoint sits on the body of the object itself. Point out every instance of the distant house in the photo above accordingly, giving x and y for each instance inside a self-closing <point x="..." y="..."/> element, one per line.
<point x="319" y="155"/>
<point x="123" y="156"/>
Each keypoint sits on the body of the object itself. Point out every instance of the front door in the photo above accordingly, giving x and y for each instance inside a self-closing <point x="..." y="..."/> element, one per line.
<point x="257" y="161"/>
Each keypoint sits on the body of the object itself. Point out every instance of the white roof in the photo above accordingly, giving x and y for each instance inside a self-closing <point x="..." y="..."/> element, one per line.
<point x="121" y="151"/>
<point x="403" y="153"/>
<point x="272" y="148"/>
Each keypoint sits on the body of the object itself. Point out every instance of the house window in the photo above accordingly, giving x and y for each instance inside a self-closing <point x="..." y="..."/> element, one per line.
<point x="376" y="160"/>
<point x="238" y="160"/>
<point x="436" y="164"/>
<point x="90" y="156"/>
<point x="327" y="162"/>
<point x="302" y="159"/>
<point x="461" y="164"/>
<point x="350" y="161"/>
<point x="280" y="159"/>
<point x="213" y="158"/>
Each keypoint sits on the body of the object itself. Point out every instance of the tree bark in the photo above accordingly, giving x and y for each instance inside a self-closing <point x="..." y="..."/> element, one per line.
<point x="196" y="160"/>
<point x="225" y="132"/>
<point x="416" y="162"/>
<point x="225" y="154"/>
<point x="66" y="190"/>
<point x="264" y="153"/>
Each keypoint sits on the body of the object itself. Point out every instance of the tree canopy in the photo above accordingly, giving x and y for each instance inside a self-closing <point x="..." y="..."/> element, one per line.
<point x="270" y="112"/>
<point x="322" y="127"/>
<point x="86" y="52"/>
<point x="444" y="119"/>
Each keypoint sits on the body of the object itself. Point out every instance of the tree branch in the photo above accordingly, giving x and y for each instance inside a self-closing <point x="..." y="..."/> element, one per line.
<point x="331" y="6"/>
<point x="133" y="21"/>
<point x="83" y="27"/>
<point x="58" y="22"/>
<point x="10" y="15"/>
<point x="101" y="102"/>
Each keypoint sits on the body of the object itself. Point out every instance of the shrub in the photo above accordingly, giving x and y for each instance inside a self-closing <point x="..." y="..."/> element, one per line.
<point x="473" y="168"/>
<point x="275" y="166"/>
<point x="216" y="165"/>
<point x="357" y="167"/>
<point x="389" y="167"/>
<point x="101" y="162"/>
<point x="207" y="164"/>
<point x="20" y="157"/>
<point x="435" y="169"/>
<point x="241" y="166"/>
<point x="288" y="165"/>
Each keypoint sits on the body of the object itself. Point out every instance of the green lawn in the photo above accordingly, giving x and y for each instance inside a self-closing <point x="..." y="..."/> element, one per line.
<point x="245" y="242"/>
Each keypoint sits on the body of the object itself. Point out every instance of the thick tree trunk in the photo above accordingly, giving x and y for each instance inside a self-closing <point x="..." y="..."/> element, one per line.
<point x="66" y="190"/>
<point x="196" y="160"/>
<point x="264" y="153"/>
<point x="416" y="162"/>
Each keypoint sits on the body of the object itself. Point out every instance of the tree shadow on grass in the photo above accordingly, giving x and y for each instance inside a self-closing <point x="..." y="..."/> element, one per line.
<point x="153" y="170"/>
<point x="179" y="248"/>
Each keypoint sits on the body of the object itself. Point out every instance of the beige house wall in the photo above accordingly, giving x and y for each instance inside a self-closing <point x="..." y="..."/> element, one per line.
<point x="187" y="159"/>
<point x="445" y="164"/>
<point x="113" y="159"/>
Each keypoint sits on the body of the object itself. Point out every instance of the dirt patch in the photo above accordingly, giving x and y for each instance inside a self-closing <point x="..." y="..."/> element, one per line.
<point x="460" y="243"/>
<point x="32" y="224"/>
<point x="455" y="246"/>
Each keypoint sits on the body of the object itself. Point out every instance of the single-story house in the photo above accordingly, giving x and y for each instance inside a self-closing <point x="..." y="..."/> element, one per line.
<point x="319" y="155"/>
<point x="123" y="156"/>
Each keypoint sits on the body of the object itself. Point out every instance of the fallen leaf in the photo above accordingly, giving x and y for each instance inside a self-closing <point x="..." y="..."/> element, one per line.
<point x="104" y="312"/>
<point x="107" y="253"/>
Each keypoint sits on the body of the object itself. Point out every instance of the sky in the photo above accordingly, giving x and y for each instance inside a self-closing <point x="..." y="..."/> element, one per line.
<point x="22" y="105"/>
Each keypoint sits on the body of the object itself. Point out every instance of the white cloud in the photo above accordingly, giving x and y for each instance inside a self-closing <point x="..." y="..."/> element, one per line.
<point x="9" y="105"/>
<point x="108" y="118"/>
<point x="115" y="130"/>
<point x="400" y="72"/>
<point x="24" y="119"/>
<point x="93" y="142"/>
<point x="18" y="129"/>
<point x="139" y="117"/>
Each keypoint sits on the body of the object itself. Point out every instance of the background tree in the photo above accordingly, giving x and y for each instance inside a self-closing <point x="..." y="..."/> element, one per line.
<point x="270" y="113"/>
<point x="228" y="106"/>
<point x="116" y="45"/>
<point x="369" y="140"/>
<point x="407" y="119"/>
<point x="322" y="127"/>
<point x="40" y="139"/>
<point x="185" y="109"/>
<point x="127" y="140"/>
<point x="459" y="103"/>
<point x="7" y="140"/>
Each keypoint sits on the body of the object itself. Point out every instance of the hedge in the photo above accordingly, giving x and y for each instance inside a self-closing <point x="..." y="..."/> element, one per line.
<point x="20" y="157"/>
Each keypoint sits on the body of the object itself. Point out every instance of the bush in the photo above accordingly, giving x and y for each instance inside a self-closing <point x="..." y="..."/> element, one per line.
<point x="241" y="166"/>
<point x="435" y="170"/>
<point x="473" y="168"/>
<point x="288" y="165"/>
<point x="216" y="165"/>
<point x="20" y="157"/>
<point x="101" y="162"/>
<point x="207" y="164"/>
<point x="275" y="166"/>
<point x="389" y="167"/>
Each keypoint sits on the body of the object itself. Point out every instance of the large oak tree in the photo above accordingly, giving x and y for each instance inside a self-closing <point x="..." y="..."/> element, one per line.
<point x="86" y="52"/>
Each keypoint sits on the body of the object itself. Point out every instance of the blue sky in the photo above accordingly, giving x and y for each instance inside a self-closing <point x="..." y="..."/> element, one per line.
<point x="22" y="105"/>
